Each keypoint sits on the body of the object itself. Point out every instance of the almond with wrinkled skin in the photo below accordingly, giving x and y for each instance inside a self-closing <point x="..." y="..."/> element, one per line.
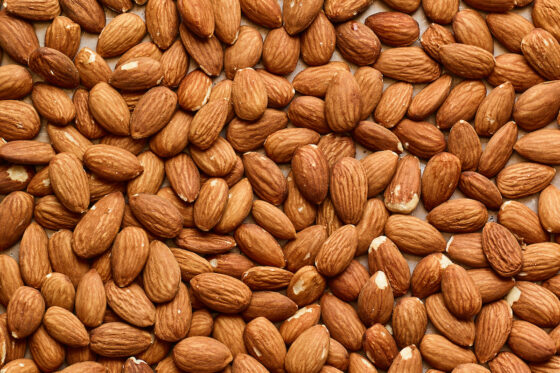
<point x="422" y="139"/>
<point x="491" y="286"/>
<point x="280" y="52"/>
<point x="383" y="255"/>
<point x="308" y="112"/>
<point x="429" y="99"/>
<point x="47" y="353"/>
<point x="396" y="63"/>
<point x="210" y="204"/>
<point x="204" y="243"/>
<point x="495" y="110"/>
<point x="21" y="47"/>
<point x="245" y="52"/>
<point x="88" y="14"/>
<point x="151" y="179"/>
<point x="440" y="178"/>
<point x="55" y="67"/>
<point x="244" y="363"/>
<point x="418" y="238"/>
<point x="62" y="257"/>
<point x="92" y="67"/>
<point x="537" y="106"/>
<point x="509" y="29"/>
<point x="375" y="302"/>
<point x="303" y="319"/>
<point x="336" y="147"/>
<point x="376" y="137"/>
<point x="109" y="109"/>
<point x="530" y="342"/>
<point x="15" y="82"/>
<point x="440" y="11"/>
<point x="308" y="241"/>
<point x="315" y="80"/>
<point x="408" y="360"/>
<point x="343" y="102"/>
<point x="478" y="187"/>
<point x="117" y="339"/>
<point x="514" y="68"/>
<point x="259" y="245"/>
<point x="434" y="38"/>
<point x="467" y="61"/>
<point x="523" y="179"/>
<point x="501" y="249"/>
<point x="548" y="208"/>
<point x="68" y="139"/>
<point x="208" y="122"/>
<point x="122" y="33"/>
<point x="393" y="104"/>
<point x="144" y="121"/>
<point x="246" y="136"/>
<point x="343" y="10"/>
<point x="91" y="299"/>
<point x="33" y="256"/>
<point x="273" y="220"/>
<point x="206" y="52"/>
<point x="69" y="182"/>
<point x="348" y="175"/>
<point x="337" y="251"/>
<point x="463" y="142"/>
<point x="379" y="346"/>
<point x="194" y="90"/>
<point x="281" y="145"/>
<point x="522" y="222"/>
<point x="272" y="305"/>
<point x="174" y="63"/>
<point x="310" y="172"/>
<point x="131" y="304"/>
<point x="493" y="326"/>
<point x="460" y="293"/>
<point x="172" y="138"/>
<point x="18" y="120"/>
<point x="535" y="304"/>
<point x="470" y="28"/>
<point x="40" y="184"/>
<point x="357" y="43"/>
<point x="191" y="264"/>
<point x="137" y="74"/>
<point x="232" y="296"/>
<point x="264" y="13"/>
<point x="358" y="363"/>
<point x="394" y="28"/>
<point x="27" y="152"/>
<point x="16" y="211"/>
<point x="460" y="215"/>
<point x="342" y="322"/>
<point x="409" y="321"/>
<point x="461" y="332"/>
<point x="65" y="327"/>
<point x="157" y="214"/>
<point x="227" y="18"/>
<point x="266" y="178"/>
<point x="318" y="41"/>
<point x="237" y="208"/>
<point x="198" y="16"/>
<point x="545" y="15"/>
<point x="162" y="22"/>
<point x="462" y="103"/>
<point x="508" y="362"/>
<point x="183" y="176"/>
<point x="112" y="163"/>
<point x="327" y="216"/>
<point x="278" y="89"/>
<point x="168" y="325"/>
<point x="347" y="285"/>
<point x="371" y="224"/>
<point x="231" y="264"/>
<point x="265" y="343"/>
<point x="300" y="15"/>
<point x="440" y="353"/>
<point x="266" y="278"/>
<point x="498" y="150"/>
<point x="11" y="280"/>
<point x="539" y="146"/>
<point x="21" y="323"/>
<point x="249" y="95"/>
<point x="98" y="227"/>
<point x="542" y="50"/>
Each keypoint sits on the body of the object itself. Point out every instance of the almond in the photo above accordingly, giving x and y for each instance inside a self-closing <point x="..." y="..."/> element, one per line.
<point x="514" y="68"/>
<point x="137" y="74"/>
<point x="315" y="80"/>
<point x="112" y="163"/>
<point x="117" y="339"/>
<point x="383" y="255"/>
<point x="55" y="67"/>
<point x="498" y="150"/>
<point x="198" y="16"/>
<point x="157" y="214"/>
<point x="523" y="179"/>
<point x="357" y="43"/>
<point x="15" y="82"/>
<point x="463" y="142"/>
<point x="467" y="61"/>
<point x="379" y="346"/>
<point x="393" y="104"/>
<point x="461" y="332"/>
<point x="33" y="261"/>
<point x="440" y="353"/>
<point x="144" y="122"/>
<point x="530" y="342"/>
<point x="495" y="110"/>
<point x="491" y="286"/>
<point x="297" y="18"/>
<point x="20" y="323"/>
<point x="19" y="120"/>
<point x="501" y="249"/>
<point x="545" y="15"/>
<point x="342" y="102"/>
<point x="27" y="152"/>
<point x="162" y="22"/>
<point x="342" y="321"/>
<point x="65" y="327"/>
<point x="395" y="63"/>
<point x="508" y="361"/>
<point x="458" y="215"/>
<point x="409" y="321"/>
<point x="493" y="326"/>
<point x="21" y="47"/>
<point x="429" y="99"/>
<point x="435" y="37"/>
<point x="245" y="52"/>
<point x="394" y="28"/>
<point x="91" y="299"/>
<point x="207" y="53"/>
<point x="509" y="29"/>
<point x="280" y="52"/>
<point x="265" y="177"/>
<point x="440" y="179"/>
<point x="343" y="10"/>
<point x="249" y="95"/>
<point x="408" y="359"/>
<point x="131" y="304"/>
<point x="16" y="211"/>
<point x="462" y="103"/>
<point x="317" y="41"/>
<point x="542" y="50"/>
<point x="441" y="12"/>
<point x="109" y="109"/>
<point x="478" y="187"/>
<point x="231" y="297"/>
<point x="11" y="280"/>
<point x="123" y="32"/>
<point x="418" y="238"/>
<point x="348" y="175"/>
<point x="469" y="27"/>
<point x="534" y="303"/>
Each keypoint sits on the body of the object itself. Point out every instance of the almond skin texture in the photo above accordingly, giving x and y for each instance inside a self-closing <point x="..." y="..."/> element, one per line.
<point x="348" y="175"/>
<point x="201" y="354"/>
<point x="357" y="43"/>
<point x="233" y="297"/>
<point x="342" y="102"/>
<point x="461" y="332"/>
<point x="24" y="324"/>
<point x="523" y="179"/>
<point x="394" y="28"/>
<point x="395" y="63"/>
<point x="530" y="342"/>
<point x="440" y="179"/>
<point x="429" y="99"/>
<point x="462" y="103"/>
<point x="493" y="326"/>
<point x="541" y="49"/>
<point x="460" y="215"/>
<point x="501" y="249"/>
<point x="467" y="61"/>
<point x="16" y="211"/>
<point x="122" y="33"/>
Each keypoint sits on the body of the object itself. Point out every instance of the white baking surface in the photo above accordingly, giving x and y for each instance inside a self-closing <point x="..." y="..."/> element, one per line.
<point x="89" y="40"/>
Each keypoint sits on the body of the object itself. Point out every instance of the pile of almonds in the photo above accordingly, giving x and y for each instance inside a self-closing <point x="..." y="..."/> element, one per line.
<point x="243" y="264"/>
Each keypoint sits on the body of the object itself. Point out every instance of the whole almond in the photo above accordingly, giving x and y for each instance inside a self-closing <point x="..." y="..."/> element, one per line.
<point x="469" y="27"/>
<point x="530" y="342"/>
<point x="231" y="297"/>
<point x="265" y="343"/>
<point x="379" y="346"/>
<point x="20" y="48"/>
<point x="440" y="179"/>
<point x="91" y="299"/>
<point x="495" y="110"/>
<point x="318" y="41"/>
<point x="55" y="67"/>
<point x="394" y="28"/>
<point x="422" y="139"/>
<point x="15" y="82"/>
<point x="117" y="339"/>
<point x="419" y="238"/>
<point x="501" y="249"/>
<point x="207" y="53"/>
<point x="162" y="22"/>
<point x="440" y="353"/>
<point x="348" y="174"/>
<point x="298" y="17"/>
<point x="393" y="104"/>
<point x="429" y="99"/>
<point x="23" y="324"/>
<point x="509" y="29"/>
<point x="16" y="211"/>
<point x="198" y="16"/>
<point x="284" y="62"/>
<point x="342" y="322"/>
<point x="498" y="150"/>
<point x="264" y="13"/>
<point x="435" y="37"/>
<point x="343" y="102"/>
<point x="69" y="182"/>
<point x="542" y="49"/>
<point x="439" y="11"/>
<point x="523" y="179"/>
<point x="395" y="63"/>
<point x="144" y="121"/>
<point x="462" y="103"/>
<point x="461" y="332"/>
